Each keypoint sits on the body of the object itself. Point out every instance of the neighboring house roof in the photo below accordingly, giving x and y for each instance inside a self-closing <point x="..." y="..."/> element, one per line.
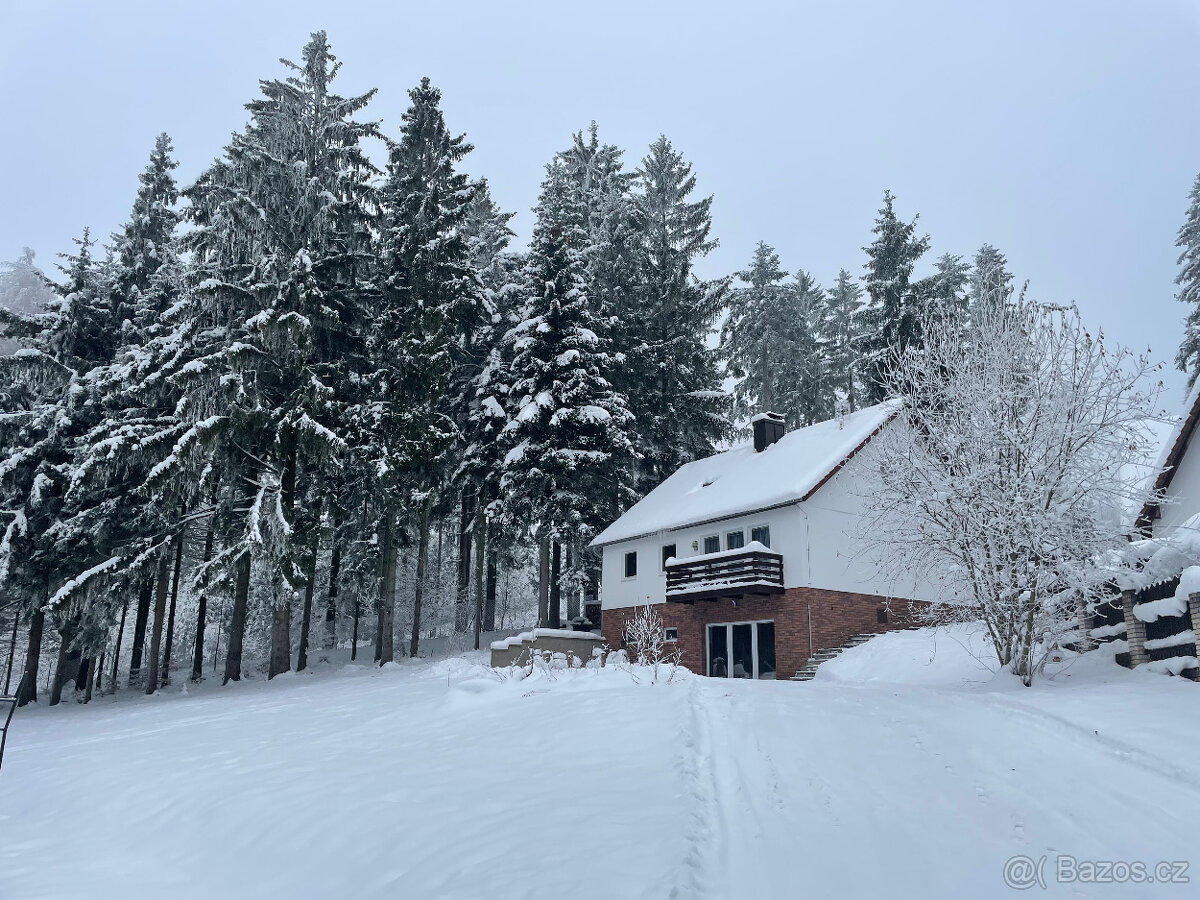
<point x="741" y="481"/>
<point x="1170" y="456"/>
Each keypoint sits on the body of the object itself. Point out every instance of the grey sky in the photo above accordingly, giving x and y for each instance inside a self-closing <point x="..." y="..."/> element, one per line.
<point x="1065" y="133"/>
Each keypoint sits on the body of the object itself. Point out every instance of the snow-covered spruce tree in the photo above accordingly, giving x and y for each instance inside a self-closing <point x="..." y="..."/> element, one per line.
<point x="24" y="290"/>
<point x="49" y="406"/>
<point x="31" y="387"/>
<point x="1188" y="279"/>
<point x="891" y="321"/>
<point x="281" y="240"/>
<point x="944" y="293"/>
<point x="1005" y="475"/>
<point x="430" y="310"/>
<point x="805" y="392"/>
<point x="675" y="384"/>
<point x="990" y="281"/>
<point x="500" y="274"/>
<point x="612" y="246"/>
<point x="125" y="528"/>
<point x="143" y="245"/>
<point x="33" y="453"/>
<point x="753" y="334"/>
<point x="569" y="427"/>
<point x="769" y="341"/>
<point x="840" y="340"/>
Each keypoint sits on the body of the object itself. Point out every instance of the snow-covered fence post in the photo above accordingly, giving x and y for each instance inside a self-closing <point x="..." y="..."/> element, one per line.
<point x="1194" y="610"/>
<point x="1135" y="632"/>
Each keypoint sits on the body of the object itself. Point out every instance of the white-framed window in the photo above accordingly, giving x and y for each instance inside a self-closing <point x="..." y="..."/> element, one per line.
<point x="671" y="635"/>
<point x="735" y="540"/>
<point x="631" y="564"/>
<point x="762" y="534"/>
<point x="712" y="543"/>
<point x="668" y="551"/>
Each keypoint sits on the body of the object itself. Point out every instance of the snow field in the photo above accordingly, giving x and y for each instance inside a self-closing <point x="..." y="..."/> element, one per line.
<point x="904" y="769"/>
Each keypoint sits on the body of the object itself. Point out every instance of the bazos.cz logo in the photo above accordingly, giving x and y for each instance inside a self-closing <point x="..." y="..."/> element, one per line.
<point x="1024" y="872"/>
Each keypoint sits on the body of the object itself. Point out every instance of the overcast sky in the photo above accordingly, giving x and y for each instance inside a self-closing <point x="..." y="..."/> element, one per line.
<point x="1067" y="134"/>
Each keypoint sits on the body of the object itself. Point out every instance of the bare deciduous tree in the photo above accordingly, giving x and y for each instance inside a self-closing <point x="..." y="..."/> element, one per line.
<point x="646" y="640"/>
<point x="1011" y="471"/>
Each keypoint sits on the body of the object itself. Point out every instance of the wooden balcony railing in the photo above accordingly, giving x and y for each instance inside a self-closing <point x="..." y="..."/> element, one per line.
<point x="731" y="573"/>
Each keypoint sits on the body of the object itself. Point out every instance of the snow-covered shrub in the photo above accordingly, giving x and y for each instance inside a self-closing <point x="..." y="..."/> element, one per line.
<point x="646" y="639"/>
<point x="1013" y="469"/>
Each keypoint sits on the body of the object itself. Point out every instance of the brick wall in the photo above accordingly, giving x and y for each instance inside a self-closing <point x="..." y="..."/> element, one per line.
<point x="836" y="617"/>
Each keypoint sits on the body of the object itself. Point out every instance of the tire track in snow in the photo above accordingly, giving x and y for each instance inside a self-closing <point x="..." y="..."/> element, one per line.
<point x="703" y="860"/>
<point x="1090" y="738"/>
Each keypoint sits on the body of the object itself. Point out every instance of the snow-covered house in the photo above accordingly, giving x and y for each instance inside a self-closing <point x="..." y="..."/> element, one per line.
<point x="756" y="558"/>
<point x="1154" y="617"/>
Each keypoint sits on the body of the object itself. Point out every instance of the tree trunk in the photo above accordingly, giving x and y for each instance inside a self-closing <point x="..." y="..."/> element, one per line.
<point x="166" y="662"/>
<point x="462" y="595"/>
<point x="555" y="586"/>
<point x="414" y="643"/>
<point x="1085" y="643"/>
<point x="145" y="594"/>
<point x="237" y="623"/>
<point x="544" y="579"/>
<point x="504" y="607"/>
<point x="97" y="678"/>
<point x="354" y="636"/>
<point x="281" y="639"/>
<point x="160" y="612"/>
<point x="202" y="615"/>
<point x="87" y="674"/>
<point x="335" y="565"/>
<point x="117" y="650"/>
<point x="379" y="625"/>
<point x="573" y="595"/>
<point x="480" y="553"/>
<point x="27" y="690"/>
<point x="387" y="594"/>
<point x="12" y="651"/>
<point x="489" y="600"/>
<point x="306" y="619"/>
<point x="309" y="587"/>
<point x="69" y="659"/>
<point x="378" y="603"/>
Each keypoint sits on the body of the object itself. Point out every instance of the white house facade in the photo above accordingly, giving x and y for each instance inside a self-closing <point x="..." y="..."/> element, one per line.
<point x="756" y="558"/>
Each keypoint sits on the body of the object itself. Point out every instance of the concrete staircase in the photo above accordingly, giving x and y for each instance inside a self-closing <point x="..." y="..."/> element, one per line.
<point x="809" y="671"/>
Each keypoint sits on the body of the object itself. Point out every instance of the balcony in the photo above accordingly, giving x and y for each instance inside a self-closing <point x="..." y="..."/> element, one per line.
<point x="750" y="571"/>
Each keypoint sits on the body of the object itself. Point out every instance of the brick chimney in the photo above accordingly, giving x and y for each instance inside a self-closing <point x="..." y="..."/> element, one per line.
<point x="768" y="428"/>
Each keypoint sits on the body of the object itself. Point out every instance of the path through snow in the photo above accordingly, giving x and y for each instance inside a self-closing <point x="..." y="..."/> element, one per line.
<point x="440" y="781"/>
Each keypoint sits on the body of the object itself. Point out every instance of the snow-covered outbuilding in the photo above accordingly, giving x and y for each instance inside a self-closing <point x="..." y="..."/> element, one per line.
<point x="758" y="557"/>
<point x="1155" y="617"/>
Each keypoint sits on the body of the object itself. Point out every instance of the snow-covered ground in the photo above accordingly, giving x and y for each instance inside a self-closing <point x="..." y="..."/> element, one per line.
<point x="905" y="769"/>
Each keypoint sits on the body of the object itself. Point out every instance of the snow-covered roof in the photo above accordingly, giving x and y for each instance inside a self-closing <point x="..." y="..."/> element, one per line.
<point x="741" y="481"/>
<point x="1144" y="473"/>
<point x="1171" y="451"/>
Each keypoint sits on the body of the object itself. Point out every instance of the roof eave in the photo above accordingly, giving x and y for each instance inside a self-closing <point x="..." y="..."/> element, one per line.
<point x="760" y="509"/>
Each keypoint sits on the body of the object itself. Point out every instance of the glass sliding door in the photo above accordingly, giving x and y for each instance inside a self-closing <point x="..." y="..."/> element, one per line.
<point x="718" y="651"/>
<point x="741" y="650"/>
<point x="765" y="645"/>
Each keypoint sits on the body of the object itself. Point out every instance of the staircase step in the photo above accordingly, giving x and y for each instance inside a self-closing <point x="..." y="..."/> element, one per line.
<point x="809" y="670"/>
